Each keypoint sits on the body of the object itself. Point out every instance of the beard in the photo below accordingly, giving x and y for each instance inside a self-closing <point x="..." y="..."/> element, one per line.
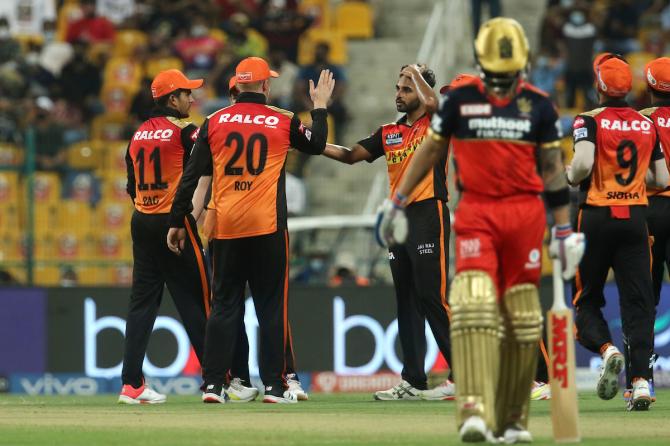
<point x="404" y="107"/>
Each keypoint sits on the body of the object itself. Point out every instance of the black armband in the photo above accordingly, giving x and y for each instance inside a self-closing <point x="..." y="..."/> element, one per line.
<point x="557" y="198"/>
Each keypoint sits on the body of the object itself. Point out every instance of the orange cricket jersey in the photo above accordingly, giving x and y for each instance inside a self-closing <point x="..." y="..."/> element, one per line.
<point x="397" y="142"/>
<point x="661" y="118"/>
<point x="249" y="143"/>
<point x="624" y="142"/>
<point x="157" y="154"/>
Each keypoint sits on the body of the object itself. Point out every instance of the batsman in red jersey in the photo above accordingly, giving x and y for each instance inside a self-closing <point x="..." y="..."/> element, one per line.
<point x="501" y="128"/>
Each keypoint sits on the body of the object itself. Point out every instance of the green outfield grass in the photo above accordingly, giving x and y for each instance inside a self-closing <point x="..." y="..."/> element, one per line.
<point x="325" y="419"/>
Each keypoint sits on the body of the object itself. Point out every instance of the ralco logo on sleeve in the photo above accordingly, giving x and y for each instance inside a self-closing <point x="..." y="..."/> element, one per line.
<point x="626" y="126"/>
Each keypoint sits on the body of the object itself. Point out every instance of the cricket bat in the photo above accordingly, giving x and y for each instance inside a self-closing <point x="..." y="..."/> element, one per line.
<point x="564" y="408"/>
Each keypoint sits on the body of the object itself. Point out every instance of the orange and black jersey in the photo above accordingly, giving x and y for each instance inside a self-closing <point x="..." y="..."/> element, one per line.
<point x="660" y="115"/>
<point x="625" y="143"/>
<point x="496" y="142"/>
<point x="155" y="160"/>
<point x="244" y="147"/>
<point x="397" y="142"/>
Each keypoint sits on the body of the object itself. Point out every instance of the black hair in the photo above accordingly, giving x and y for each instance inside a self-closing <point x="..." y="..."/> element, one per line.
<point x="662" y="95"/>
<point x="426" y="73"/>
<point x="162" y="101"/>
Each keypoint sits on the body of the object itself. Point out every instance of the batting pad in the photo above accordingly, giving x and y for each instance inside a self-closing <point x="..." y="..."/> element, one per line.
<point x="522" y="330"/>
<point x="475" y="344"/>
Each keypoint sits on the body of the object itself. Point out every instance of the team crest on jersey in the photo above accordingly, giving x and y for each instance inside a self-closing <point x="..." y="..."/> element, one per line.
<point x="524" y="105"/>
<point x="393" y="139"/>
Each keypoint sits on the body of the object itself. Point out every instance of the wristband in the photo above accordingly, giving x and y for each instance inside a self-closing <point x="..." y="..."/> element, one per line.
<point x="399" y="200"/>
<point x="562" y="231"/>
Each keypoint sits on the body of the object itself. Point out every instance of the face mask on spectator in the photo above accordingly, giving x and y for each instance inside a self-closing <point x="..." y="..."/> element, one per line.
<point x="199" y="31"/>
<point x="577" y="18"/>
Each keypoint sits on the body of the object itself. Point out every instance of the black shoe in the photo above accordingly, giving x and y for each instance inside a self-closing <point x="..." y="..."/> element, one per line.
<point x="277" y="394"/>
<point x="213" y="393"/>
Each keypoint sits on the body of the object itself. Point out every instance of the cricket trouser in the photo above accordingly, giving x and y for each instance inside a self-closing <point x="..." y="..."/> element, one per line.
<point x="154" y="267"/>
<point x="623" y="245"/>
<point x="262" y="262"/>
<point x="240" y="366"/>
<point x="658" y="222"/>
<point x="420" y="269"/>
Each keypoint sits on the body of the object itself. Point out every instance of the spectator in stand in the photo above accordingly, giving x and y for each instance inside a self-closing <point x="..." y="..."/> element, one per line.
<point x="344" y="272"/>
<point x="282" y="25"/>
<point x="10" y="115"/>
<point x="229" y="7"/>
<point x="49" y="138"/>
<point x="244" y="40"/>
<point x="143" y="102"/>
<point x="91" y="27"/>
<point x="10" y="49"/>
<point x="54" y="54"/>
<point x="27" y="17"/>
<point x="620" y="28"/>
<point x="281" y="93"/>
<point x="117" y="11"/>
<point x="493" y="6"/>
<point x="551" y="30"/>
<point x="336" y="108"/>
<point x="198" y="50"/>
<point x="579" y="36"/>
<point x="80" y="81"/>
<point x="546" y="70"/>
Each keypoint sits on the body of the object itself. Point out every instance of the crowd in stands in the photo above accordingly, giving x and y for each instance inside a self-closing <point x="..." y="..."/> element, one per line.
<point x="74" y="82"/>
<point x="574" y="31"/>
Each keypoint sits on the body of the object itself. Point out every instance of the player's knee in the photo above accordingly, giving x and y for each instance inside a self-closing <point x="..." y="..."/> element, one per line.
<point x="473" y="301"/>
<point x="523" y="314"/>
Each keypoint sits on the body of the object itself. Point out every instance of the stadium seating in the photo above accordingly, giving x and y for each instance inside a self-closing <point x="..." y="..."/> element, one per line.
<point x="318" y="9"/>
<point x="10" y="155"/>
<point x="154" y="66"/>
<point x="46" y="187"/>
<point x="117" y="98"/>
<point x="336" y="40"/>
<point x="109" y="127"/>
<point x="354" y="19"/>
<point x="75" y="216"/>
<point x="9" y="187"/>
<point x="113" y="215"/>
<point x="123" y="71"/>
<point x="85" y="155"/>
<point x="127" y="41"/>
<point x="114" y="188"/>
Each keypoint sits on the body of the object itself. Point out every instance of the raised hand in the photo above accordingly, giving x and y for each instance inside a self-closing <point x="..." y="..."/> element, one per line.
<point x="320" y="94"/>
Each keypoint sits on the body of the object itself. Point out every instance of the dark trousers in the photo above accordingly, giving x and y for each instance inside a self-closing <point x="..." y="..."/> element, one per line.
<point x="155" y="266"/>
<point x="658" y="221"/>
<point x="262" y="262"/>
<point x="240" y="365"/>
<point x="578" y="81"/>
<point x="420" y="269"/>
<point x="623" y="245"/>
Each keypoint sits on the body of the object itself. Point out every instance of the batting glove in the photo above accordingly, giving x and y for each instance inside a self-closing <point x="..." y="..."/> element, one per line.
<point x="391" y="226"/>
<point x="568" y="247"/>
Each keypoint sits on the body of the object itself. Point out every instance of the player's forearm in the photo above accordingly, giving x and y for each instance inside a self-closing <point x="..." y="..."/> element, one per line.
<point x="561" y="215"/>
<point x="425" y="157"/>
<point x="338" y="153"/>
<point x="657" y="175"/>
<point x="582" y="162"/>
<point x="198" y="201"/>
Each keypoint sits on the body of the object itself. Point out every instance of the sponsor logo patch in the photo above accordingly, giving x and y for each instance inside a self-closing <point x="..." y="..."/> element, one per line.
<point x="581" y="133"/>
<point x="246" y="76"/>
<point x="393" y="139"/>
<point x="475" y="109"/>
<point x="579" y="122"/>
